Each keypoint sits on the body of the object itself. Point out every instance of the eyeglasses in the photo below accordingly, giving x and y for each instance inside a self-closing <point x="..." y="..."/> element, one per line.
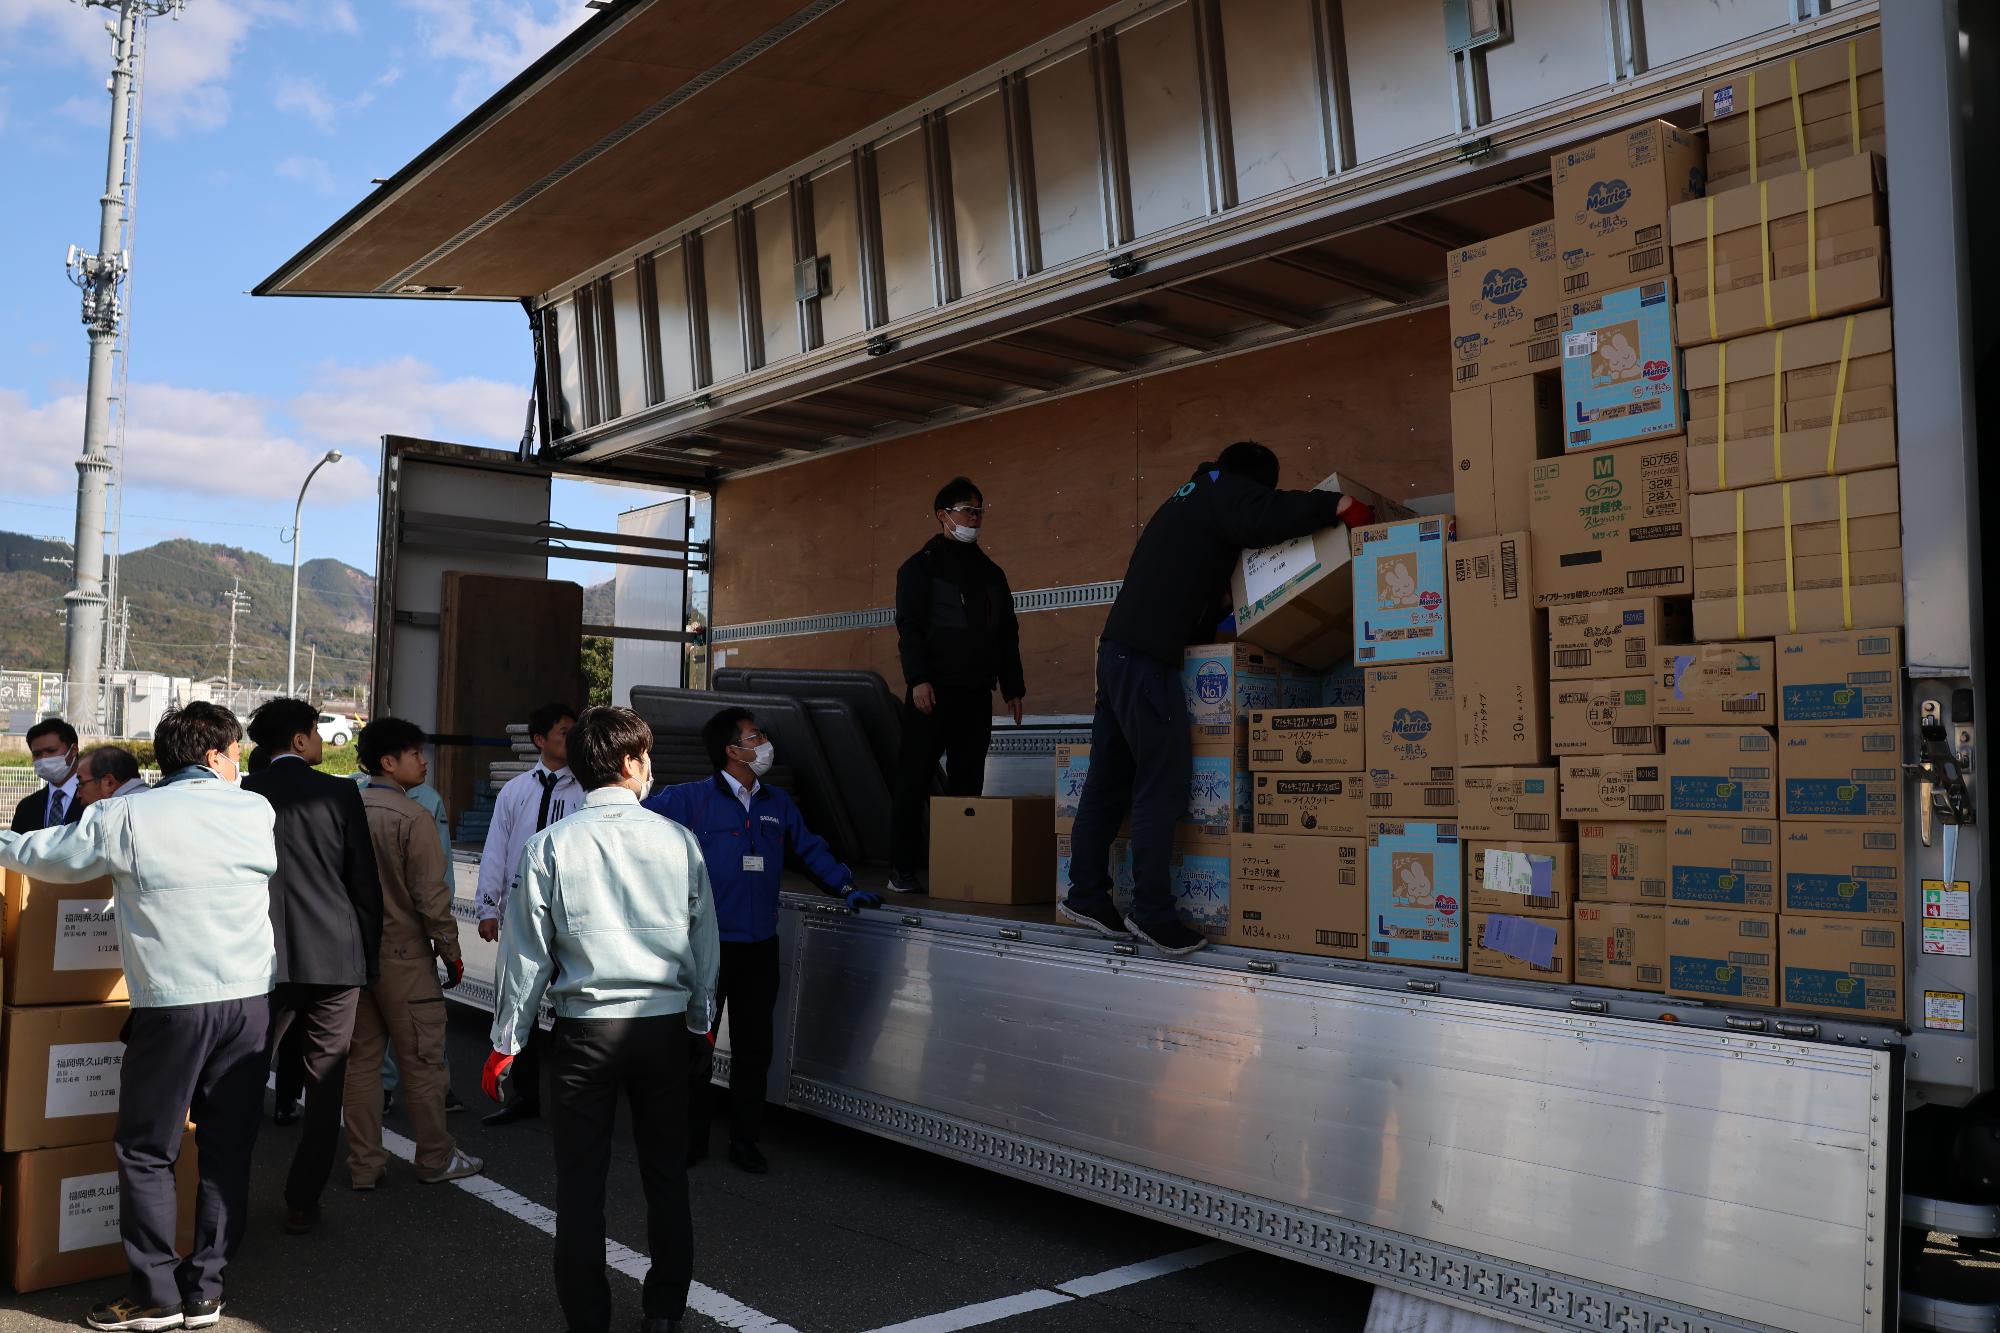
<point x="968" y="511"/>
<point x="750" y="740"/>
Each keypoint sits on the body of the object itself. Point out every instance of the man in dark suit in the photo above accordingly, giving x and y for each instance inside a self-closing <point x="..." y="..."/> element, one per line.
<point x="52" y="745"/>
<point x="326" y="920"/>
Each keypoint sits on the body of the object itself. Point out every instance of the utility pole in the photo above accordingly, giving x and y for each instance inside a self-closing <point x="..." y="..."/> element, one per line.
<point x="312" y="669"/>
<point x="100" y="275"/>
<point x="238" y="599"/>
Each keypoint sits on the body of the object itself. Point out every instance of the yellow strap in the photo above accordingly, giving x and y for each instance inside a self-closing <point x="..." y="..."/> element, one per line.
<point x="1778" y="407"/>
<point x="1791" y="588"/>
<point x="1798" y="112"/>
<point x="1853" y="98"/>
<point x="1739" y="564"/>
<point x="1753" y="132"/>
<point x="1764" y="236"/>
<point x="1713" y="335"/>
<point x="1846" y="589"/>
<point x="1721" y="416"/>
<point x="1812" y="242"/>
<point x="1839" y="397"/>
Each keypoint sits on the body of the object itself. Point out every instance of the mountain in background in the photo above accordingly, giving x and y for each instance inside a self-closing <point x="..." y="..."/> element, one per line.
<point x="179" y="596"/>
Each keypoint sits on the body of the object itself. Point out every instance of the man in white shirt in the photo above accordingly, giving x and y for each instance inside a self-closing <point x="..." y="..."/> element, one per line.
<point x="524" y="807"/>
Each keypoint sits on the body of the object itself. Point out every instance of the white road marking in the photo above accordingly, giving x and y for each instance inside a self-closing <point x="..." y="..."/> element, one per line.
<point x="702" y="1299"/>
<point x="1095" y="1284"/>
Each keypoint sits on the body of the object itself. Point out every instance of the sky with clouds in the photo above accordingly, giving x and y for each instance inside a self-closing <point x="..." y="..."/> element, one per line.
<point x="264" y="120"/>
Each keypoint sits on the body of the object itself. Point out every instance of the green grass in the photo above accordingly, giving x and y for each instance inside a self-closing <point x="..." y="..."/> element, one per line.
<point x="339" y="758"/>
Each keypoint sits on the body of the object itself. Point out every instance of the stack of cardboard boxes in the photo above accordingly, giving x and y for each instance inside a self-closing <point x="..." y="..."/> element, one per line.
<point x="1298" y="878"/>
<point x="61" y="1052"/>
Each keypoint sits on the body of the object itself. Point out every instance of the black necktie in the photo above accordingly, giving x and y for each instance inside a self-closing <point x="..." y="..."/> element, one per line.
<point x="548" y="781"/>
<point x="55" y="806"/>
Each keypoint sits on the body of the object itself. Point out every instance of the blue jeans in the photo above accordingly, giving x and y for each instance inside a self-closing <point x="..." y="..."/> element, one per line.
<point x="1141" y="759"/>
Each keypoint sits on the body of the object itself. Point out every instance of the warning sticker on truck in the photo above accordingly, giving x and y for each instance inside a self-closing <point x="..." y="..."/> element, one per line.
<point x="1947" y="918"/>
<point x="1944" y="1010"/>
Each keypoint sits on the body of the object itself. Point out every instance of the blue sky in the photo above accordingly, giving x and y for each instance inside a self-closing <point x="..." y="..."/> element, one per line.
<point x="264" y="121"/>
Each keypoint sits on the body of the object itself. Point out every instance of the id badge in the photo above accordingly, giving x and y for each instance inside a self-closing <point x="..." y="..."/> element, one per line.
<point x="753" y="865"/>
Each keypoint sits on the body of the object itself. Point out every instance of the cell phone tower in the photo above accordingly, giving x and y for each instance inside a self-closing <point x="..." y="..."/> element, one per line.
<point x="101" y="276"/>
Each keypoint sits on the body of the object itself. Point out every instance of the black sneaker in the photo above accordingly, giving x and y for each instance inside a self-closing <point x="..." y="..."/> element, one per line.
<point x="1175" y="940"/>
<point x="1104" y="920"/>
<point x="908" y="881"/>
<point x="201" y="1314"/>
<point x="126" y="1313"/>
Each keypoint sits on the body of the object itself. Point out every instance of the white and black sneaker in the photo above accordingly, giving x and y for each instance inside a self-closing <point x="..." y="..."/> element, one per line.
<point x="1175" y="940"/>
<point x="461" y="1165"/>
<point x="127" y="1314"/>
<point x="908" y="881"/>
<point x="201" y="1314"/>
<point x="1104" y="920"/>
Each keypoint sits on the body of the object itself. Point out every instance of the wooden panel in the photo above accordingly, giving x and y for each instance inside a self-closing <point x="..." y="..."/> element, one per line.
<point x="506" y="645"/>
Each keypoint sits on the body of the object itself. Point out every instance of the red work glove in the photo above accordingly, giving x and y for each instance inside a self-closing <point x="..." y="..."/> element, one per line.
<point x="1355" y="513"/>
<point x="454" y="972"/>
<point x="497" y="1074"/>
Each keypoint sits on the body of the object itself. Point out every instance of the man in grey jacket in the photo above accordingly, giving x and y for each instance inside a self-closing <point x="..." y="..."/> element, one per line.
<point x="190" y="868"/>
<point x="611" y="910"/>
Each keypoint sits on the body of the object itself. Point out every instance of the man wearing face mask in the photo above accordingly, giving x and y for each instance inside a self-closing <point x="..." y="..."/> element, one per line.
<point x="745" y="830"/>
<point x="52" y="745"/>
<point x="957" y="637"/>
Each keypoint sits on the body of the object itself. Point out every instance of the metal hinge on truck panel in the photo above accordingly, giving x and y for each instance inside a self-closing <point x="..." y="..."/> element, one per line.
<point x="1943" y="763"/>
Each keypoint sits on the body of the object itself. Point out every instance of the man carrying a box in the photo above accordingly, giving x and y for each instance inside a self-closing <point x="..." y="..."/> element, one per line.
<point x="191" y="869"/>
<point x="1140" y="754"/>
<point x="746" y="830"/>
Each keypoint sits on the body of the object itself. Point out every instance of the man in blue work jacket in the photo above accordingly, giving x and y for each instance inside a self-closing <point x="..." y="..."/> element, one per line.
<point x="745" y="829"/>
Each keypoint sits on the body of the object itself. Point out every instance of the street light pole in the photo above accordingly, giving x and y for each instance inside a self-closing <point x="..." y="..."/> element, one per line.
<point x="292" y="653"/>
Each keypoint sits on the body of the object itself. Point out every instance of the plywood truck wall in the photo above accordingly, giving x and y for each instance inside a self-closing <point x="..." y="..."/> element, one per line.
<point x="1068" y="484"/>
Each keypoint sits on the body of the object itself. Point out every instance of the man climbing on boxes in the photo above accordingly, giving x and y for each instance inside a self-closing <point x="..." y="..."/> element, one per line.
<point x="1140" y="754"/>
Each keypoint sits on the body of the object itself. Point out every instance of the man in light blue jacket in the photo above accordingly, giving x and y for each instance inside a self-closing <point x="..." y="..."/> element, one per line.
<point x="190" y="868"/>
<point x="611" y="911"/>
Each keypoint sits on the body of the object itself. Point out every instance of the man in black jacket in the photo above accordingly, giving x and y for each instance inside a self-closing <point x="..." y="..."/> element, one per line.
<point x="1140" y="754"/>
<point x="326" y="920"/>
<point x="52" y="747"/>
<point x="957" y="636"/>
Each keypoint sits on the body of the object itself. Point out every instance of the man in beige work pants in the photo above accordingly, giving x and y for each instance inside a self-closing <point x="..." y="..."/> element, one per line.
<point x="406" y="1005"/>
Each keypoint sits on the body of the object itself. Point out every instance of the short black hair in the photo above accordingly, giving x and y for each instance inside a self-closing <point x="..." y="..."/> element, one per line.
<point x="112" y="761"/>
<point x="257" y="760"/>
<point x="720" y="732"/>
<point x="276" y="721"/>
<point x="186" y="735"/>
<point x="602" y="740"/>
<point x="957" y="491"/>
<point x="1249" y="459"/>
<point x="52" y="726"/>
<point x="544" y="719"/>
<point x="383" y="737"/>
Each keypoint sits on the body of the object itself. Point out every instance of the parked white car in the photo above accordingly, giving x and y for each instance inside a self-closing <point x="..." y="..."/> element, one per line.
<point x="335" y="730"/>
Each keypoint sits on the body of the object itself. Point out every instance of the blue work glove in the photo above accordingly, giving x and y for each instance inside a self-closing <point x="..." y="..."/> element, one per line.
<point x="860" y="898"/>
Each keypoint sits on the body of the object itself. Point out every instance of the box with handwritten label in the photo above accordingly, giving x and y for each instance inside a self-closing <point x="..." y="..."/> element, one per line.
<point x="62" y="1209"/>
<point x="62" y="1065"/>
<point x="59" y="942"/>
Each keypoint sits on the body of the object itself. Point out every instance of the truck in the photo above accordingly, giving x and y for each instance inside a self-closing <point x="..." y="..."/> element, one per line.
<point x="796" y="263"/>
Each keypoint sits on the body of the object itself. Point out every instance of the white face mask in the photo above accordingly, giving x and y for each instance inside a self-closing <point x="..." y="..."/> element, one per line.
<point x="54" y="768"/>
<point x="959" y="532"/>
<point x="765" y="755"/>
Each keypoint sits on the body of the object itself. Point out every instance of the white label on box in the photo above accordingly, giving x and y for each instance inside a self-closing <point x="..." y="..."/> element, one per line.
<point x="83" y="1078"/>
<point x="1580" y="344"/>
<point x="88" y="1216"/>
<point x="1519" y="872"/>
<point x="1269" y="568"/>
<point x="87" y="935"/>
<point x="1944" y="1010"/>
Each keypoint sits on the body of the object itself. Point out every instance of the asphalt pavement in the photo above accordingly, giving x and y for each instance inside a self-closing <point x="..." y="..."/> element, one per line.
<point x="848" y="1233"/>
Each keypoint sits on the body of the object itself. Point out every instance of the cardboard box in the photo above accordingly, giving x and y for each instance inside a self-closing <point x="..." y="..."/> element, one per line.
<point x="1399" y="591"/>
<point x="1723" y="772"/>
<point x="1723" y="863"/>
<point x="62" y="1066"/>
<point x="1723" y="957"/>
<point x="1072" y="771"/>
<point x="1768" y="273"/>
<point x="1612" y="525"/>
<point x="1842" y="870"/>
<point x="1199" y="876"/>
<point x="1523" y="948"/>
<point x="1120" y="868"/>
<point x="59" y="942"/>
<point x="1852" y="969"/>
<point x="1299" y="687"/>
<point x="1839" y="773"/>
<point x="993" y="849"/>
<point x="1301" y="895"/>
<point x="1621" y="370"/>
<point x="1296" y="599"/>
<point x="1503" y="294"/>
<point x="1588" y="640"/>
<point x="1715" y="684"/>
<point x="1518" y="803"/>
<point x="1799" y="557"/>
<point x="1332" y="740"/>
<point x="1622" y="863"/>
<point x="1613" y="787"/>
<point x="1603" y="716"/>
<point x="1416" y="896"/>
<point x="1520" y="878"/>
<point x="1811" y="507"/>
<point x="1218" y="799"/>
<point x="1224" y="683"/>
<point x="62" y="1210"/>
<point x="1828" y="78"/>
<point x="1811" y="593"/>
<point x="1840" y="678"/>
<point x="1497" y="433"/>
<point x="1346" y="686"/>
<point x="1325" y="805"/>
<point x="1503" y="688"/>
<point x="1412" y="742"/>
<point x="1795" y="147"/>
<point x="1620" y="944"/>
<point x="1611" y="202"/>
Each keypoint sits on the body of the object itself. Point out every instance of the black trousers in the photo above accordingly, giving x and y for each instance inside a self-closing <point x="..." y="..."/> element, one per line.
<point x="1141" y="759"/>
<point x="592" y="1063"/>
<point x="199" y="1061"/>
<point x="525" y="1086"/>
<point x="747" y="986"/>
<point x="317" y="1023"/>
<point x="959" y="728"/>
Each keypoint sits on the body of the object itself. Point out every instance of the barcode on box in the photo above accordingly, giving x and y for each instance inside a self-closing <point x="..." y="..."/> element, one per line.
<point x="1873" y="775"/>
<point x="1576" y="282"/>
<point x="1381" y="800"/>
<point x="1878" y="939"/>
<point x="1465" y="374"/>
<point x="1546" y="902"/>
<point x="1879" y="842"/>
<point x="1631" y="735"/>
<point x="1544" y="350"/>
<point x="1753" y="704"/>
<point x="1547" y="323"/>
<point x="1641" y="801"/>
<point x="1646" y="259"/>
<point x="1510" y="571"/>
<point x="1531" y="823"/>
<point x="1756" y="837"/>
<point x="1648" y="971"/>
<point x="1435" y="796"/>
<point x="1272" y="821"/>
<point x="1742" y="958"/>
<point x="1652" y="888"/>
<point x="1655" y="578"/>
<point x="1871" y="969"/>
<point x="1648" y="235"/>
<point x="1337" y="939"/>
<point x="1572" y="657"/>
<point x="1869" y="743"/>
